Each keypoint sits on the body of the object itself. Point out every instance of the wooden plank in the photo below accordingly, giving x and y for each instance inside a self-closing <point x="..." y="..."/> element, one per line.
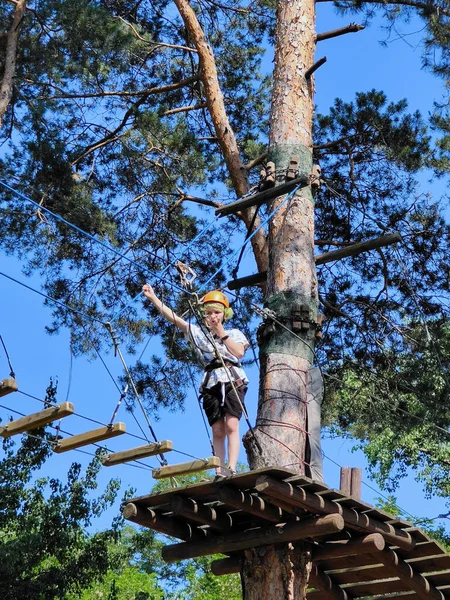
<point x="373" y="588"/>
<point x="35" y="420"/>
<point x="7" y="386"/>
<point x="399" y="568"/>
<point x="161" y="524"/>
<point x="307" y="483"/>
<point x="326" y="584"/>
<point x="250" y="504"/>
<point x="198" y="513"/>
<point x="192" y="466"/>
<point x="117" y="458"/>
<point x="422" y="549"/>
<point x="439" y="579"/>
<point x="354" y="562"/>
<point x="208" y="490"/>
<point x="429" y="564"/>
<point x="90" y="437"/>
<point x="252" y="538"/>
<point x="314" y="503"/>
<point x="373" y="542"/>
<point x="262" y="197"/>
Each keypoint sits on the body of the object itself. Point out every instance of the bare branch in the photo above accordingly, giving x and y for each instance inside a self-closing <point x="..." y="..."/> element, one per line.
<point x="129" y="94"/>
<point x="153" y="43"/>
<point x="6" y="86"/>
<point x="352" y="28"/>
<point x="315" y="66"/>
<point x="174" y="111"/>
<point x="256" y="161"/>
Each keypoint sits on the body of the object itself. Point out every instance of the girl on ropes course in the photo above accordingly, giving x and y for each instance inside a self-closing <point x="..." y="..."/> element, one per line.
<point x="224" y="383"/>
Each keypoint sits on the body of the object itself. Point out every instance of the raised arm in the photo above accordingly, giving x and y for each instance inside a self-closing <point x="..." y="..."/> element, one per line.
<point x="164" y="310"/>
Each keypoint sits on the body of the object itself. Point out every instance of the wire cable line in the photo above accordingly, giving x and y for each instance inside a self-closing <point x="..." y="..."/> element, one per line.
<point x="248" y="239"/>
<point x="169" y="265"/>
<point x="81" y="314"/>
<point x="86" y="234"/>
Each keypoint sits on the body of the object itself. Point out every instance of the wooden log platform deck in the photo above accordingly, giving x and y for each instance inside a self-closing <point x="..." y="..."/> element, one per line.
<point x="357" y="550"/>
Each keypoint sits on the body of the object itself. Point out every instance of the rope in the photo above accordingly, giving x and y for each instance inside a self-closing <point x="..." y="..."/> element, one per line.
<point x="11" y="370"/>
<point x="133" y="386"/>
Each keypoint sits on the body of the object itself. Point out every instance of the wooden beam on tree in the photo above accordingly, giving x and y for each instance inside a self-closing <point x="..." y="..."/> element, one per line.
<point x="355" y="249"/>
<point x="326" y="585"/>
<point x="250" y="503"/>
<point x="374" y="542"/>
<point x="309" y="501"/>
<point x="188" y="467"/>
<point x="321" y="259"/>
<point x="7" y="386"/>
<point x="117" y="458"/>
<point x="90" y="437"/>
<point x="406" y="573"/>
<point x="227" y="566"/>
<point x="205" y="515"/>
<point x="160" y="523"/>
<point x="261" y="197"/>
<point x="35" y="420"/>
<point x="261" y="536"/>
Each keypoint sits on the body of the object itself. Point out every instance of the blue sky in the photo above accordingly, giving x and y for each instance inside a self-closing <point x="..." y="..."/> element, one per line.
<point x="356" y="62"/>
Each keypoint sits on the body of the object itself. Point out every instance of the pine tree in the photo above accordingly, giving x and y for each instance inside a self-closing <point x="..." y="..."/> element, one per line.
<point x="125" y="114"/>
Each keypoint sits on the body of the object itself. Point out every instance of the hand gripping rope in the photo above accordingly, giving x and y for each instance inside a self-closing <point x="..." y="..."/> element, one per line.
<point x="195" y="311"/>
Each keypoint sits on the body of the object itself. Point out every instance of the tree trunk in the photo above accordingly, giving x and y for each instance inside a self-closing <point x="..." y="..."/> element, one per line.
<point x="282" y="572"/>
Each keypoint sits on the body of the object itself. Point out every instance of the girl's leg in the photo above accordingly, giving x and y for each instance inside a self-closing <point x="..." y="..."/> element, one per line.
<point x="232" y="433"/>
<point x="218" y="431"/>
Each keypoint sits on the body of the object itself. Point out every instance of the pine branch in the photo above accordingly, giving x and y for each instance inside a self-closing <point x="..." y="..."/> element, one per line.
<point x="175" y="111"/>
<point x="428" y="7"/>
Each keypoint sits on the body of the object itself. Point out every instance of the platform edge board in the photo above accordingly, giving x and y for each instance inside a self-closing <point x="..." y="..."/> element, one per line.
<point x="241" y="481"/>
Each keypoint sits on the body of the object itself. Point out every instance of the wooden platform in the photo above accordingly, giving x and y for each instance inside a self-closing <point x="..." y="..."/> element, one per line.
<point x="357" y="550"/>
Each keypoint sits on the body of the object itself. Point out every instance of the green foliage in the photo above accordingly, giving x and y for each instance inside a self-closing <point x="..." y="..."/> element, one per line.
<point x="45" y="551"/>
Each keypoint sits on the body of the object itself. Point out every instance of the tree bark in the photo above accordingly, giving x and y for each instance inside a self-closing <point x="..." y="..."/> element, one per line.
<point x="286" y="355"/>
<point x="6" y="86"/>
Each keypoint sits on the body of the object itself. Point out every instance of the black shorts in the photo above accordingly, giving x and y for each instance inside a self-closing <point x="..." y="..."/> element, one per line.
<point x="212" y="402"/>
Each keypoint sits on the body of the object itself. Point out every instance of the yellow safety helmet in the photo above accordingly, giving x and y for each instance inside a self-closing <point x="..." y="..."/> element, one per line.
<point x="216" y="296"/>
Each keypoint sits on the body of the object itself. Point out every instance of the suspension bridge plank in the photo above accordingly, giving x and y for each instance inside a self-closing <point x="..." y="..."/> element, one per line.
<point x="117" y="458"/>
<point x="7" y="386"/>
<point x="35" y="420"/>
<point x="192" y="466"/>
<point x="90" y="437"/>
